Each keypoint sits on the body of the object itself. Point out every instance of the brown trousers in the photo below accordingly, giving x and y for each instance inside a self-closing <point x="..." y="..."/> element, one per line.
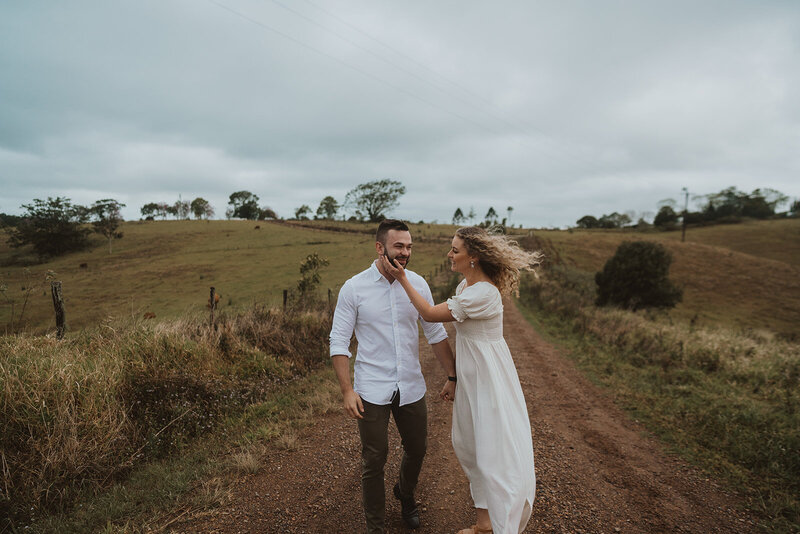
<point x="412" y="424"/>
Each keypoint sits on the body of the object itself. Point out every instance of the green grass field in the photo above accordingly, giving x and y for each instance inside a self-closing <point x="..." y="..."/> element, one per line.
<point x="167" y="267"/>
<point x="744" y="275"/>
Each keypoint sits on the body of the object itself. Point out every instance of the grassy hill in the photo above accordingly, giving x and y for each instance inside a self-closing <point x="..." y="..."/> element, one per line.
<point x="167" y="267"/>
<point x="744" y="275"/>
<point x="724" y="395"/>
<point x="776" y="240"/>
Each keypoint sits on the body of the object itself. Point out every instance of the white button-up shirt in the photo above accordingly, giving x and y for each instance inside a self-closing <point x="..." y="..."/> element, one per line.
<point x="385" y="323"/>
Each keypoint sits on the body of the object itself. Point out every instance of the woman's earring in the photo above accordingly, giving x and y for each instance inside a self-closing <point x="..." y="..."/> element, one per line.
<point x="472" y="264"/>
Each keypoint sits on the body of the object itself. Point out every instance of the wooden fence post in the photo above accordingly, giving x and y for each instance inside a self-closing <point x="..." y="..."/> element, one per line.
<point x="213" y="306"/>
<point x="58" y="304"/>
<point x="285" y="298"/>
<point x="329" y="298"/>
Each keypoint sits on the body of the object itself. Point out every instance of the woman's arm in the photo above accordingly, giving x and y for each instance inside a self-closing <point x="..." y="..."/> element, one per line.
<point x="433" y="314"/>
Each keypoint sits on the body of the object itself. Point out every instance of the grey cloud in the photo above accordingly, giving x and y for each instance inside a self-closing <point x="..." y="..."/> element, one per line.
<point x="557" y="109"/>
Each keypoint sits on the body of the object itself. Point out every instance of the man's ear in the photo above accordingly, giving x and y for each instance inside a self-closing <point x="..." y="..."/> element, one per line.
<point x="379" y="247"/>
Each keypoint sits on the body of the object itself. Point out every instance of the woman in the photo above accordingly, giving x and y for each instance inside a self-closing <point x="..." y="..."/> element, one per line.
<point x="491" y="432"/>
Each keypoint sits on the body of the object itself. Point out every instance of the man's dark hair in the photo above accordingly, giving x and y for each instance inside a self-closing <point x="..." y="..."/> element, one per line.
<point x="386" y="225"/>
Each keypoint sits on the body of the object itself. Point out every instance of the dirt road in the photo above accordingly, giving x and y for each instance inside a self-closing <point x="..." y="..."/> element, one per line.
<point x="597" y="471"/>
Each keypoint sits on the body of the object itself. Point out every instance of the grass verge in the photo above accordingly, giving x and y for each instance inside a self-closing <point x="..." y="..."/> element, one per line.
<point x="726" y="400"/>
<point x="84" y="414"/>
<point x="159" y="493"/>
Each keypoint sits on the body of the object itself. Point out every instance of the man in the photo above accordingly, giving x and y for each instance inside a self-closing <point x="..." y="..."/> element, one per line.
<point x="388" y="377"/>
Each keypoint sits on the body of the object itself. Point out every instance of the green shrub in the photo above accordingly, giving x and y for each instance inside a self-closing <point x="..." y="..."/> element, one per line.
<point x="636" y="277"/>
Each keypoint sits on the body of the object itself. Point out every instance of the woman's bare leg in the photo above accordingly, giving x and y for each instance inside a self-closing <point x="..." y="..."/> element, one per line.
<point x="483" y="522"/>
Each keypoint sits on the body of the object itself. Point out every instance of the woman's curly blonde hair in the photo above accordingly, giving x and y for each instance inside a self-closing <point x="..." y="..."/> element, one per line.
<point x="500" y="257"/>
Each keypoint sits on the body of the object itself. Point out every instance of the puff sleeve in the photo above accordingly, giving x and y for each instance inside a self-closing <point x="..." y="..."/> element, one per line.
<point x="479" y="301"/>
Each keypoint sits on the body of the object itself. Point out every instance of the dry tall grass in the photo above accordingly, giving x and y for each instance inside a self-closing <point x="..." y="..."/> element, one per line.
<point x="727" y="397"/>
<point x="78" y="413"/>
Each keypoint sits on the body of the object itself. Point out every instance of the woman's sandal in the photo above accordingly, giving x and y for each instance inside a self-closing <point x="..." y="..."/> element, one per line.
<point x="476" y="530"/>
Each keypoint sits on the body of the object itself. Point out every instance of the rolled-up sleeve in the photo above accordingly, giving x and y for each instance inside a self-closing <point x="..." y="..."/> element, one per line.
<point x="344" y="320"/>
<point x="434" y="332"/>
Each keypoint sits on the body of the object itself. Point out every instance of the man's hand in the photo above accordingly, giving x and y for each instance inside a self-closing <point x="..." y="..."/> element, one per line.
<point x="448" y="391"/>
<point x="353" y="405"/>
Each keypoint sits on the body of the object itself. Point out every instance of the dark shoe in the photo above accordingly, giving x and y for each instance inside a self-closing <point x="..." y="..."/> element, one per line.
<point x="410" y="511"/>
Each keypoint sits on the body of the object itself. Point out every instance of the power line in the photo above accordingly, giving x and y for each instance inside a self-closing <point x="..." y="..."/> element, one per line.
<point x="348" y="65"/>
<point x="521" y="129"/>
<point x="398" y="52"/>
<point x="554" y="151"/>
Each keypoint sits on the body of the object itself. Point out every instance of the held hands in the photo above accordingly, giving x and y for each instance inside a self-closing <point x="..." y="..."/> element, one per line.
<point x="353" y="405"/>
<point x="448" y="392"/>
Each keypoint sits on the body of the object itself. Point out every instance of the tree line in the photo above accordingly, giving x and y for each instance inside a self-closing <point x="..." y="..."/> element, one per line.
<point x="181" y="209"/>
<point x="727" y="206"/>
<point x="370" y="201"/>
<point x="56" y="226"/>
<point x="490" y="219"/>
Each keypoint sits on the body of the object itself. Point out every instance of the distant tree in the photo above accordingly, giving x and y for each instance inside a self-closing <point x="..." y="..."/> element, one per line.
<point x="772" y="197"/>
<point x="693" y="217"/>
<point x="201" y="208"/>
<point x="762" y="203"/>
<point x="665" y="218"/>
<point x="107" y="218"/>
<point x="614" y="220"/>
<point x="794" y="208"/>
<point x="588" y="221"/>
<point x="491" y="216"/>
<point x="373" y="200"/>
<point x="471" y="215"/>
<point x="164" y="209"/>
<point x="328" y="208"/>
<point x="636" y="277"/>
<point x="302" y="212"/>
<point x="181" y="209"/>
<point x="244" y="205"/>
<point x="267" y="213"/>
<point x="726" y="203"/>
<point x="670" y="202"/>
<point x="309" y="274"/>
<point x="731" y="203"/>
<point x="9" y="220"/>
<point x="509" y="209"/>
<point x="149" y="210"/>
<point x="458" y="217"/>
<point x="53" y="227"/>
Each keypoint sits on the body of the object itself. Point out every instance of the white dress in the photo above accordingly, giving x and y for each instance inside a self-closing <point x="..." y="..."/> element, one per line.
<point x="491" y="430"/>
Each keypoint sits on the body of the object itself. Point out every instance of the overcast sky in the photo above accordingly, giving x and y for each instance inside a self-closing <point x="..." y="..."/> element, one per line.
<point x="556" y="108"/>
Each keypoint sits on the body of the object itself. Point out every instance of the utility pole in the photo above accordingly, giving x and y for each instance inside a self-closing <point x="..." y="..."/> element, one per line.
<point x="685" y="191"/>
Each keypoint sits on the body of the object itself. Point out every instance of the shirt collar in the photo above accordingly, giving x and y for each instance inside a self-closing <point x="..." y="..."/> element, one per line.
<point x="376" y="274"/>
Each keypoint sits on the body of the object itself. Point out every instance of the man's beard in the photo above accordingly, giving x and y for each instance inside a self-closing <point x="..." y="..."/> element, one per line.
<point x="407" y="259"/>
